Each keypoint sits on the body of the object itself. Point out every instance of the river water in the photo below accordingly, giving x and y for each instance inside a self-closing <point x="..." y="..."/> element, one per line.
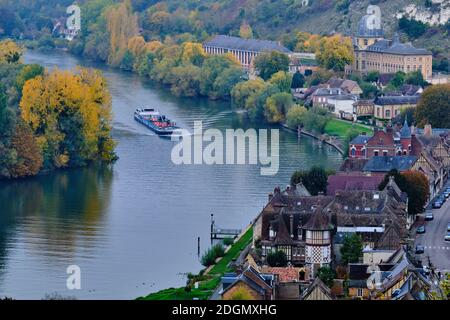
<point x="132" y="227"/>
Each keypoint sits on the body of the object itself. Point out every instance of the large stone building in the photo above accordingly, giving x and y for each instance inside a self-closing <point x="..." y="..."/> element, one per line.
<point x="375" y="53"/>
<point x="246" y="50"/>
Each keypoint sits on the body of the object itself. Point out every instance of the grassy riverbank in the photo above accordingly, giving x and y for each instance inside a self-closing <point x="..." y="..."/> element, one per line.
<point x="341" y="128"/>
<point x="210" y="279"/>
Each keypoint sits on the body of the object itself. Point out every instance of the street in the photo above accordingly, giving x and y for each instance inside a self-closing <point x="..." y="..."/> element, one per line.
<point x="436" y="248"/>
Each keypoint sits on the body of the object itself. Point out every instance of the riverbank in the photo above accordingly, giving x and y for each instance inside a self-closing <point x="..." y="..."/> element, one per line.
<point x="203" y="285"/>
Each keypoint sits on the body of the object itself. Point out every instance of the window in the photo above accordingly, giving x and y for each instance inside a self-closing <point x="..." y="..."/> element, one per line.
<point x="376" y="153"/>
<point x="388" y="114"/>
<point x="353" y="152"/>
<point x="360" y="292"/>
<point x="363" y="152"/>
<point x="385" y="153"/>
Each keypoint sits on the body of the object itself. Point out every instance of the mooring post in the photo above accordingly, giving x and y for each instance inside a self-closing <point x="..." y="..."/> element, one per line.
<point x="212" y="228"/>
<point x="299" y="131"/>
<point x="198" y="246"/>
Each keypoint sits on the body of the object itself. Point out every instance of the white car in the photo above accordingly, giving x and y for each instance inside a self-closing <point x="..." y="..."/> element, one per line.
<point x="447" y="236"/>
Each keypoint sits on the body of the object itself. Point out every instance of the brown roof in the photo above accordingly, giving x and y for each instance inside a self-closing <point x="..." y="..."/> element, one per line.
<point x="288" y="274"/>
<point x="318" y="221"/>
<point x="381" y="138"/>
<point x="352" y="182"/>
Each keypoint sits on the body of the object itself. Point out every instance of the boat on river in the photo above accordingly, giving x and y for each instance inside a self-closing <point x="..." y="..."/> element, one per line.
<point x="155" y="121"/>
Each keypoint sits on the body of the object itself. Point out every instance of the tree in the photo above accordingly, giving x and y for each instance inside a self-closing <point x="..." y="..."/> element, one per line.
<point x="417" y="189"/>
<point x="315" y="179"/>
<point x="122" y="25"/>
<point x="243" y="90"/>
<point x="29" y="159"/>
<point x="245" y="31"/>
<point x="335" y="52"/>
<point x="295" y="116"/>
<point x="269" y="63"/>
<point x="29" y="71"/>
<point x="276" y="107"/>
<point x="327" y="275"/>
<point x="372" y="76"/>
<point x="398" y="80"/>
<point x="369" y="91"/>
<point x="434" y="106"/>
<point x="413" y="28"/>
<point x="298" y="80"/>
<point x="351" y="249"/>
<point x="316" y="120"/>
<point x="225" y="82"/>
<point x="70" y="115"/>
<point x="277" y="259"/>
<point x="10" y="52"/>
<point x="186" y="81"/>
<point x="282" y="80"/>
<point x="193" y="53"/>
<point x="415" y="78"/>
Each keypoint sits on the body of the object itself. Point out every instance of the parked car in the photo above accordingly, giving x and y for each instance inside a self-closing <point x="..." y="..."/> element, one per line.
<point x="420" y="229"/>
<point x="426" y="270"/>
<point x="447" y="236"/>
<point x="437" y="204"/>
<point x="420" y="249"/>
<point x="446" y="193"/>
<point x="429" y="216"/>
<point x="448" y="226"/>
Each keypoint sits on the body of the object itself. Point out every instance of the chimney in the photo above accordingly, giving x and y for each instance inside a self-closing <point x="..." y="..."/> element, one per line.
<point x="427" y="130"/>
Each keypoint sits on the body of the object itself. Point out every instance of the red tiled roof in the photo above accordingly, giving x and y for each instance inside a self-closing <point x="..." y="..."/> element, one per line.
<point x="288" y="274"/>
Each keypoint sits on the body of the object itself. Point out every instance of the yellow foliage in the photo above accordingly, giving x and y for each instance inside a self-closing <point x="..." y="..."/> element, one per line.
<point x="192" y="53"/>
<point x="137" y="45"/>
<point x="152" y="46"/>
<point x="122" y="25"/>
<point x="10" y="52"/>
<point x="245" y="31"/>
<point x="66" y="94"/>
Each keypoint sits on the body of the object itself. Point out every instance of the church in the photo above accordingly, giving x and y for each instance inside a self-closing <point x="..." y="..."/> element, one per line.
<point x="375" y="53"/>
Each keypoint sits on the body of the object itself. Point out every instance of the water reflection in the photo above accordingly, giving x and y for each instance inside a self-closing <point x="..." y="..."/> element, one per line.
<point x="54" y="211"/>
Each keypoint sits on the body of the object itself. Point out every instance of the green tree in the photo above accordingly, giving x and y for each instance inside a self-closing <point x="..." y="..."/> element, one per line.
<point x="277" y="259"/>
<point x="315" y="179"/>
<point x="225" y="82"/>
<point x="398" y="80"/>
<point x="351" y="249"/>
<point x="295" y="116"/>
<point x="282" y="80"/>
<point x="434" y="106"/>
<point x="28" y="72"/>
<point x="372" y="76"/>
<point x="277" y="106"/>
<point x="415" y="78"/>
<point x="316" y="120"/>
<point x="186" y="81"/>
<point x="298" y="80"/>
<point x="269" y="63"/>
<point x="327" y="275"/>
<point x="369" y="91"/>
<point x="243" y="90"/>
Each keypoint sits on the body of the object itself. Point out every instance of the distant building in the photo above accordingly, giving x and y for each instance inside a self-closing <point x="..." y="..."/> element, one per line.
<point x="246" y="50"/>
<point x="375" y="53"/>
<point x="379" y="165"/>
<point x="335" y="100"/>
<point x="387" y="108"/>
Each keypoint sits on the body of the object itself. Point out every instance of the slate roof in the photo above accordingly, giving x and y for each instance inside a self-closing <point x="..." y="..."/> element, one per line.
<point x="228" y="42"/>
<point x="394" y="47"/>
<point x="405" y="131"/>
<point x="396" y="100"/>
<point x="321" y="286"/>
<point x="386" y="164"/>
<point x="361" y="139"/>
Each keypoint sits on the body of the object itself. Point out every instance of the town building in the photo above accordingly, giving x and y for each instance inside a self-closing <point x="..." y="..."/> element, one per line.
<point x="375" y="53"/>
<point x="304" y="227"/>
<point x="386" y="108"/>
<point x="258" y="285"/>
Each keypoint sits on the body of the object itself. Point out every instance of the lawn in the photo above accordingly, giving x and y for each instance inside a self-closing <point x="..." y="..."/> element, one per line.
<point x="341" y="128"/>
<point x="206" y="287"/>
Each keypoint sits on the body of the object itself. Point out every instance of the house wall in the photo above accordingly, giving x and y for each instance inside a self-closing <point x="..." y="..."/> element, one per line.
<point x="355" y="293"/>
<point x="288" y="291"/>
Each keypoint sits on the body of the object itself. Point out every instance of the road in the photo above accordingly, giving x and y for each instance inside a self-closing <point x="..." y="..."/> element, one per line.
<point x="436" y="248"/>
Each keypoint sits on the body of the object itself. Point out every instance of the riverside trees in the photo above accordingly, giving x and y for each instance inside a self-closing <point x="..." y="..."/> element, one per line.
<point x="50" y="120"/>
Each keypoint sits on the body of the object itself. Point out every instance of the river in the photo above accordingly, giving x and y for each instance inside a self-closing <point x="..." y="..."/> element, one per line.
<point x="132" y="227"/>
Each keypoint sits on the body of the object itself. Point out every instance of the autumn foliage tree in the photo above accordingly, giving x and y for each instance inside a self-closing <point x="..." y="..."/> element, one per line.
<point x="434" y="106"/>
<point x="416" y="186"/>
<point x="70" y="115"/>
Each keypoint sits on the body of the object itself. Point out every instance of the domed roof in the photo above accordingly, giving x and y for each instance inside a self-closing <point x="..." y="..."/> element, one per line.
<point x="366" y="31"/>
